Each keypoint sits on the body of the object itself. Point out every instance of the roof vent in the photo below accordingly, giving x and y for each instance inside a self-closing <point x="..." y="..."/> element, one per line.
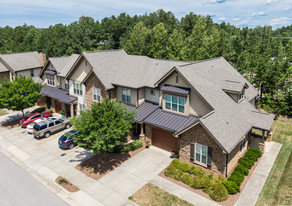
<point x="212" y="66"/>
<point x="156" y="63"/>
<point x="227" y="121"/>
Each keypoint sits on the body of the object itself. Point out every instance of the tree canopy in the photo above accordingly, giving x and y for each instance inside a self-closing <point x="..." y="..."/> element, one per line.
<point x="19" y="94"/>
<point x="104" y="126"/>
<point x="261" y="54"/>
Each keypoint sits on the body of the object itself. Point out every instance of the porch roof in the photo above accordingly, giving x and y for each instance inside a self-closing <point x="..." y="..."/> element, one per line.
<point x="144" y="110"/>
<point x="59" y="94"/>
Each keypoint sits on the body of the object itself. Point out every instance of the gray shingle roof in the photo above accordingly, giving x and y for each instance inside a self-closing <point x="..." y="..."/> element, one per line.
<point x="232" y="86"/>
<point x="229" y="121"/>
<point x="63" y="64"/>
<point x="170" y="121"/>
<point x="22" y="61"/>
<point x="175" y="90"/>
<point x="3" y="68"/>
<point x="115" y="67"/>
<point x="58" y="94"/>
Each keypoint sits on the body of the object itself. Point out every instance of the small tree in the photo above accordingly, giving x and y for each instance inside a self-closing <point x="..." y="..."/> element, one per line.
<point x="104" y="126"/>
<point x="19" y="94"/>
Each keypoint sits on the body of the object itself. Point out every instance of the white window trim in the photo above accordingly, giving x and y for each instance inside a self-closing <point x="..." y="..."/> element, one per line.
<point x="50" y="80"/>
<point x="96" y="92"/>
<point x="201" y="154"/>
<point x="127" y="94"/>
<point x="241" y="95"/>
<point x="178" y="104"/>
<point x="78" y="89"/>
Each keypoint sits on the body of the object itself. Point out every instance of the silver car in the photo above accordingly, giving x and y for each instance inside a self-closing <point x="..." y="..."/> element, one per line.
<point x="47" y="127"/>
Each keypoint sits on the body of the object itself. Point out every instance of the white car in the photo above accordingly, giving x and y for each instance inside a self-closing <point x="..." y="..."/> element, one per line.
<point x="29" y="127"/>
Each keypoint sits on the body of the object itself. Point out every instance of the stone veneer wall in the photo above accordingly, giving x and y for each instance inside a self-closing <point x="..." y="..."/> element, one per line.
<point x="93" y="82"/>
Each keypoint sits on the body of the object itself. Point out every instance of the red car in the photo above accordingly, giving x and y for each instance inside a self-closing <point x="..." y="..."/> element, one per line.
<point x="32" y="117"/>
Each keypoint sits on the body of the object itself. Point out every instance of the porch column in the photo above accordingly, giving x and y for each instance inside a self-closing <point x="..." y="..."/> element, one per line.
<point x="71" y="110"/>
<point x="263" y="136"/>
<point x="142" y="130"/>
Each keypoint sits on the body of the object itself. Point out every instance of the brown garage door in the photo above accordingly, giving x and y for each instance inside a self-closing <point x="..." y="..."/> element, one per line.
<point x="164" y="140"/>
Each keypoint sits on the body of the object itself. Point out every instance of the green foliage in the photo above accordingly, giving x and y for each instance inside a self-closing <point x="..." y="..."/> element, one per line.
<point x="104" y="126"/>
<point x="236" y="177"/>
<point x="128" y="147"/>
<point x="19" y="94"/>
<point x="219" y="192"/>
<point x="62" y="181"/>
<point x="245" y="161"/>
<point x="242" y="169"/>
<point x="39" y="110"/>
<point x="256" y="151"/>
<point x="231" y="187"/>
<point x="197" y="179"/>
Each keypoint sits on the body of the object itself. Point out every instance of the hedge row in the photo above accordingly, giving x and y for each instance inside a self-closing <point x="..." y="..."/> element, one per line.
<point x="198" y="179"/>
<point x="128" y="147"/>
<point x="232" y="184"/>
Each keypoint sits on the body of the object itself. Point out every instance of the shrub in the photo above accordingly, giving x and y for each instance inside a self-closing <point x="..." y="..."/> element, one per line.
<point x="197" y="182"/>
<point x="39" y="110"/>
<point x="170" y="171"/>
<point x="255" y="151"/>
<point x="231" y="187"/>
<point x="187" y="179"/>
<point x="62" y="181"/>
<point x="218" y="192"/>
<point x="251" y="156"/>
<point x="242" y="169"/>
<point x="178" y="175"/>
<point x="246" y="162"/>
<point x="184" y="167"/>
<point x="236" y="177"/>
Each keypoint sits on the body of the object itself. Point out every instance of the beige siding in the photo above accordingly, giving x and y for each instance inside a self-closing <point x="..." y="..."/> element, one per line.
<point x="195" y="104"/>
<point x="27" y="73"/>
<point x="80" y="71"/>
<point x="141" y="96"/>
<point x="133" y="95"/>
<point x="152" y="98"/>
<point x="233" y="96"/>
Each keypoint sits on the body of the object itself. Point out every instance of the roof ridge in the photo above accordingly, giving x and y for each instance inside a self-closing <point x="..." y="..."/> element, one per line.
<point x="170" y="60"/>
<point x="201" y="61"/>
<point x="107" y="50"/>
<point x="19" y="53"/>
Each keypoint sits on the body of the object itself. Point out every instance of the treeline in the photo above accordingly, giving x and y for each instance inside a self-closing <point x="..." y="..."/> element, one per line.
<point x="261" y="54"/>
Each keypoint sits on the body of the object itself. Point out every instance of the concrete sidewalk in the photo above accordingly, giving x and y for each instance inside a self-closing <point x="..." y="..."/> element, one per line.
<point x="12" y="115"/>
<point x="257" y="180"/>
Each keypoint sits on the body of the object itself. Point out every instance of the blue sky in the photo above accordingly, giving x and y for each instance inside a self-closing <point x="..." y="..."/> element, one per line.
<point x="43" y="13"/>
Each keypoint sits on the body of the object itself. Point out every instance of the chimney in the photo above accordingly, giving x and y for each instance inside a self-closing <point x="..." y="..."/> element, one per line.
<point x="43" y="58"/>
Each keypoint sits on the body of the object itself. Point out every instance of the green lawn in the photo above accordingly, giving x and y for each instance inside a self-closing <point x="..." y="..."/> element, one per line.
<point x="278" y="187"/>
<point x="2" y="112"/>
<point x="151" y="195"/>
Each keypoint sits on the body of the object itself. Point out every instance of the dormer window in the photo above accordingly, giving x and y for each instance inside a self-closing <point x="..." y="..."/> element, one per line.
<point x="175" y="103"/>
<point x="241" y="95"/>
<point x="50" y="80"/>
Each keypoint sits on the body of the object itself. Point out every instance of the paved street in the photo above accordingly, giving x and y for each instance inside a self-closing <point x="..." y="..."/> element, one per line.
<point x="19" y="188"/>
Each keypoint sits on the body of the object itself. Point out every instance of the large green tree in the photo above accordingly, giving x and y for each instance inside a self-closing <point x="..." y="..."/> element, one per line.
<point x="105" y="125"/>
<point x="19" y="94"/>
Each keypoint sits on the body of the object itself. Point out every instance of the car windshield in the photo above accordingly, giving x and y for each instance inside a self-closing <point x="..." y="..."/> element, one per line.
<point x="36" y="127"/>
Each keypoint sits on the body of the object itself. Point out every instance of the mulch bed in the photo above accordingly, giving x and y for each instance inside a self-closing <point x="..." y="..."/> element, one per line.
<point x="231" y="198"/>
<point x="102" y="163"/>
<point x="11" y="124"/>
<point x="68" y="186"/>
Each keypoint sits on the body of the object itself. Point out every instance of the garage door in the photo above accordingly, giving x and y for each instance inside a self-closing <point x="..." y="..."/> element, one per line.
<point x="164" y="140"/>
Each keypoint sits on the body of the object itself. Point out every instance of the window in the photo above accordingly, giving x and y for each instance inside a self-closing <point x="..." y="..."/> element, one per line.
<point x="51" y="124"/>
<point x="82" y="107"/>
<point x="12" y="76"/>
<point x="58" y="121"/>
<point x="126" y="95"/>
<point x="96" y="94"/>
<point x="176" y="79"/>
<point x="201" y="153"/>
<point x="242" y="145"/>
<point x="66" y="84"/>
<point x="51" y="80"/>
<point x="152" y="92"/>
<point x="241" y="96"/>
<point x="175" y="103"/>
<point x="78" y="89"/>
<point x="37" y="116"/>
<point x="32" y="73"/>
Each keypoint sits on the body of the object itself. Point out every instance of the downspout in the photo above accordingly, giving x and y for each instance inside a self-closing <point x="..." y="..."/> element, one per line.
<point x="226" y="164"/>
<point x="137" y="97"/>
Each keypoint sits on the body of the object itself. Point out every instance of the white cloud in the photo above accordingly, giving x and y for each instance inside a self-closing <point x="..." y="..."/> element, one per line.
<point x="281" y="21"/>
<point x="235" y="19"/>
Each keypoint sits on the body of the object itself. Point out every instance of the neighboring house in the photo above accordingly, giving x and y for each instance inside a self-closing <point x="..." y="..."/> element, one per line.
<point x="56" y="90"/>
<point x="27" y="63"/>
<point x="204" y="110"/>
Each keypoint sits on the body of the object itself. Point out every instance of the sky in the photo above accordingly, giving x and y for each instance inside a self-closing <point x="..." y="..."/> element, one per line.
<point x="242" y="13"/>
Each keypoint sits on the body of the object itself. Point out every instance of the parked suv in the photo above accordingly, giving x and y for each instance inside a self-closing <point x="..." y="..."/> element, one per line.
<point x="49" y="126"/>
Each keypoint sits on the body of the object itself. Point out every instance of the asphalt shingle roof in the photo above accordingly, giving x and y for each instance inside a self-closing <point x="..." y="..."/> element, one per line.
<point x="3" y="68"/>
<point x="63" y="64"/>
<point x="22" y="61"/>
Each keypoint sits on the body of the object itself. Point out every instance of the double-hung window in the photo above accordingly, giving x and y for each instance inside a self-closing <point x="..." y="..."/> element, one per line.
<point x="66" y="84"/>
<point x="51" y="80"/>
<point x="175" y="103"/>
<point x="126" y="95"/>
<point x="77" y="88"/>
<point x="96" y="94"/>
<point x="242" y="145"/>
<point x="201" y="153"/>
<point x="241" y="96"/>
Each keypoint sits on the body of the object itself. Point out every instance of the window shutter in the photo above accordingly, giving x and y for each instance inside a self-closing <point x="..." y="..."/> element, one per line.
<point x="192" y="153"/>
<point x="209" y="159"/>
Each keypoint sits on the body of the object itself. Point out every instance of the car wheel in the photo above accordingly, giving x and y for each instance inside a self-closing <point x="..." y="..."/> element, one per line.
<point x="71" y="146"/>
<point x="47" y="134"/>
<point x="67" y="126"/>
